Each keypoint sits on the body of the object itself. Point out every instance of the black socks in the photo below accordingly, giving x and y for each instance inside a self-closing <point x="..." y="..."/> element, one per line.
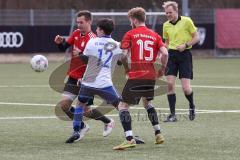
<point x="172" y="102"/>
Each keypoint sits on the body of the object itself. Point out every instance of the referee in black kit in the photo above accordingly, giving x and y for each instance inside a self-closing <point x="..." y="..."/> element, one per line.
<point x="180" y="34"/>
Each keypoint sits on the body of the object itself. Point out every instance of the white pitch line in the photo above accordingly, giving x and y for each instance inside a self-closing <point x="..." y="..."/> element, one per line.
<point x="113" y="115"/>
<point x="26" y="104"/>
<point x="132" y="108"/>
<point x="214" y="87"/>
<point x="194" y="86"/>
<point x="222" y="111"/>
<point x="32" y="117"/>
<point x="24" y="86"/>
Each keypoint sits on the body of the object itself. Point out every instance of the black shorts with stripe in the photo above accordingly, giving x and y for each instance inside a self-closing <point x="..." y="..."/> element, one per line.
<point x="135" y="89"/>
<point x="180" y="62"/>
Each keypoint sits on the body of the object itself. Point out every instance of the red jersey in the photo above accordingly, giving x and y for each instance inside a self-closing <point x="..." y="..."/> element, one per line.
<point x="144" y="45"/>
<point x="78" y="41"/>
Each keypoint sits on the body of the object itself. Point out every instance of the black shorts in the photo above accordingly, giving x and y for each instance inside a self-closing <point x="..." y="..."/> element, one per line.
<point x="134" y="89"/>
<point x="180" y="62"/>
<point x="72" y="87"/>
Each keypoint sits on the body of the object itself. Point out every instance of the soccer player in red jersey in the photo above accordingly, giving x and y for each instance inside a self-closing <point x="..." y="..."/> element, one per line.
<point x="142" y="46"/>
<point x="78" y="40"/>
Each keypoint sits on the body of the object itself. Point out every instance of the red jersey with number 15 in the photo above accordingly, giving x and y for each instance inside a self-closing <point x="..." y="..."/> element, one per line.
<point x="144" y="45"/>
<point x="78" y="41"/>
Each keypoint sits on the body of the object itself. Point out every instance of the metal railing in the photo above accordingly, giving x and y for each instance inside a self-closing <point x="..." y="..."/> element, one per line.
<point x="65" y="17"/>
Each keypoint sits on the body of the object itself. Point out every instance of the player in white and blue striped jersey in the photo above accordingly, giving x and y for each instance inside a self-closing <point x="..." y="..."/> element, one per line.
<point x="101" y="55"/>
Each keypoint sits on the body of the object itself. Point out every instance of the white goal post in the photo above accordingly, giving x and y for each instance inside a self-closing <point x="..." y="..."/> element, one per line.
<point x="112" y="14"/>
<point x="151" y="18"/>
<point x="124" y="13"/>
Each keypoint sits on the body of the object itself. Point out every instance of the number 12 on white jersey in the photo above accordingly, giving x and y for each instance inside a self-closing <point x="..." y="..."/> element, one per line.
<point x="104" y="61"/>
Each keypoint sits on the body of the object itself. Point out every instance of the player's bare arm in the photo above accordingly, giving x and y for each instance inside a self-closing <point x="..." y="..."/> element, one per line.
<point x="166" y="43"/>
<point x="164" y="60"/>
<point x="124" y="61"/>
<point x="194" y="40"/>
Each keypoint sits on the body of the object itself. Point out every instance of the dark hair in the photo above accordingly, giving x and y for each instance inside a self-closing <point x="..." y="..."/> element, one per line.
<point x="106" y="24"/>
<point x="87" y="14"/>
<point x="139" y="13"/>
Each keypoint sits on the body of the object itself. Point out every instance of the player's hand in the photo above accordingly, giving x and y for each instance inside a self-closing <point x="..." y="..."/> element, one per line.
<point x="160" y="72"/>
<point x="58" y="39"/>
<point x="181" y="47"/>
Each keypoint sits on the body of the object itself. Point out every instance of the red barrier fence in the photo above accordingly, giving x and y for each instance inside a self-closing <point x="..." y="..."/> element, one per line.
<point x="228" y="28"/>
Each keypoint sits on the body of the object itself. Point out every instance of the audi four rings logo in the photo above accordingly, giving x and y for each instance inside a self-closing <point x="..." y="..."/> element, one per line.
<point x="11" y="39"/>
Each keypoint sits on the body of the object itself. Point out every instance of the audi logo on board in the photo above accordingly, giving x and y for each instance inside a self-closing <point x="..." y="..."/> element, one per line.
<point x="11" y="39"/>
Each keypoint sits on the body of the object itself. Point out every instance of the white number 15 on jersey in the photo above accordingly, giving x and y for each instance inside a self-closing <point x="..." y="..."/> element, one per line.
<point x="145" y="46"/>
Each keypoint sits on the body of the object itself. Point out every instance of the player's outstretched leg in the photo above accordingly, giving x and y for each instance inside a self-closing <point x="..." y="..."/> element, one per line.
<point x="108" y="122"/>
<point x="65" y="106"/>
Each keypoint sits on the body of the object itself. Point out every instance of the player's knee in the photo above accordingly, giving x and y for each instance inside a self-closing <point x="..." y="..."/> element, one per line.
<point x="87" y="111"/>
<point x="65" y="105"/>
<point x="187" y="90"/>
<point x="171" y="87"/>
<point x="83" y="99"/>
<point x="146" y="103"/>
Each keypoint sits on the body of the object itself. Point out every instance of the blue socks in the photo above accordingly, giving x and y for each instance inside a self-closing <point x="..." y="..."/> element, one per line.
<point x="77" y="118"/>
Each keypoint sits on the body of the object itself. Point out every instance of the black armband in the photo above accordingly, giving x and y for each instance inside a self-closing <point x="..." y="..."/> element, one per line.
<point x="63" y="46"/>
<point x="186" y="45"/>
<point x="84" y="58"/>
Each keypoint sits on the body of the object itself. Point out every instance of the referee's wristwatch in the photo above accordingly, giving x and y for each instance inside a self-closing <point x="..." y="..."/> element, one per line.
<point x="186" y="45"/>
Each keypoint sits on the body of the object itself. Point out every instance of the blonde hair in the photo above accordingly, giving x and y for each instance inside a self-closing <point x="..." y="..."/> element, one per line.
<point x="170" y="3"/>
<point x="139" y="13"/>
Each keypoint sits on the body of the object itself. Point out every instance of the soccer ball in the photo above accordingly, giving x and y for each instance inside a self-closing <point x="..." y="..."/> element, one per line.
<point x="39" y="63"/>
